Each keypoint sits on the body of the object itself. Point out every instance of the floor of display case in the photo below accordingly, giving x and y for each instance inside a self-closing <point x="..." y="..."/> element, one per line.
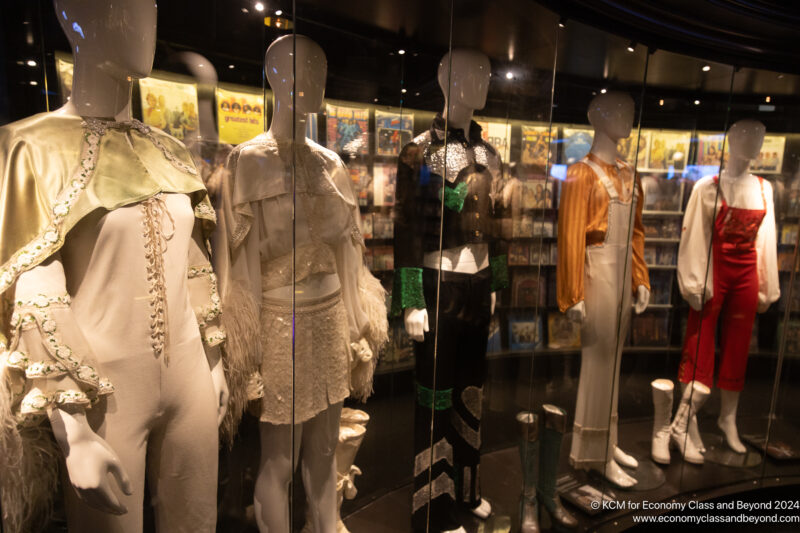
<point x="502" y="482"/>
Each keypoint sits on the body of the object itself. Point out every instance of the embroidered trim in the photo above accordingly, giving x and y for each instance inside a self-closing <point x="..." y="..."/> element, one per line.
<point x="204" y="210"/>
<point x="218" y="337"/>
<point x="155" y="245"/>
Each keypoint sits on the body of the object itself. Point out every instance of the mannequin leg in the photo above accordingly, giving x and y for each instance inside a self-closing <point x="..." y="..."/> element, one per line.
<point x="123" y="419"/>
<point x="271" y="498"/>
<point x="693" y="428"/>
<point x="727" y="419"/>
<point x="183" y="452"/>
<point x="466" y="414"/>
<point x="433" y="499"/>
<point x="318" y="467"/>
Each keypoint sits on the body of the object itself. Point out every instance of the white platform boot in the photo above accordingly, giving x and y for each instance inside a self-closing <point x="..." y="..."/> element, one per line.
<point x="662" y="414"/>
<point x="694" y="431"/>
<point x="352" y="428"/>
<point x="692" y="399"/>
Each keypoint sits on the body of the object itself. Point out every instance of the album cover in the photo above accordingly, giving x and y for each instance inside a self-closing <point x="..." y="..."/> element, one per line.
<point x="562" y="332"/>
<point x="518" y="253"/>
<point x="536" y="142"/>
<point x="524" y="332"/>
<point x="527" y="289"/>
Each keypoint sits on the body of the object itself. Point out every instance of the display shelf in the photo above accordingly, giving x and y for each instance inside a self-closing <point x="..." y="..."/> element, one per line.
<point x="662" y="267"/>
<point x="662" y="213"/>
<point x="661" y="240"/>
<point x="659" y="306"/>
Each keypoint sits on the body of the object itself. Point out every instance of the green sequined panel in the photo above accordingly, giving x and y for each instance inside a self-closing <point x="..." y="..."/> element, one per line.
<point x="407" y="290"/>
<point x="454" y="196"/>
<point x="440" y="400"/>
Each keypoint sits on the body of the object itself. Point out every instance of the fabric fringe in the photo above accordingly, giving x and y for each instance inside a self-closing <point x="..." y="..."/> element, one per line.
<point x="241" y="321"/>
<point x="373" y="301"/>
<point x="29" y="459"/>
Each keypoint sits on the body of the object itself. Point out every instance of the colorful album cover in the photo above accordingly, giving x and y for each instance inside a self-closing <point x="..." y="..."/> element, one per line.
<point x="362" y="182"/>
<point x="392" y="132"/>
<point x="524" y="332"/>
<point x="527" y="289"/>
<point x="770" y="158"/>
<point x="384" y="183"/>
<point x="382" y="226"/>
<point x="669" y="150"/>
<point x="347" y="129"/>
<point x="709" y="149"/>
<point x="537" y="194"/>
<point x="366" y="225"/>
<point x="661" y="194"/>
<point x="522" y="227"/>
<point x="498" y="134"/>
<point x="169" y="105"/>
<point x="576" y="143"/>
<point x="540" y="253"/>
<point x="788" y="234"/>
<point x="627" y="148"/>
<point x="562" y="332"/>
<point x="312" y="126"/>
<point x="240" y="115"/>
<point x="537" y="142"/>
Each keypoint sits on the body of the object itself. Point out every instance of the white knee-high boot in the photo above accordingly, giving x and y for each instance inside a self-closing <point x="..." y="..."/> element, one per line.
<point x="694" y="431"/>
<point x="727" y="419"/>
<point x="662" y="415"/>
<point x="692" y="399"/>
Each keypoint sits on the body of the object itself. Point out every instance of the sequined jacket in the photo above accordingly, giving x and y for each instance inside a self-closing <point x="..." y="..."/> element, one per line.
<point x="469" y="173"/>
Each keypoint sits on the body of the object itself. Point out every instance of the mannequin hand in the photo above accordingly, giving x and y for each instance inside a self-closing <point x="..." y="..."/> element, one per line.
<point x="493" y="303"/>
<point x="577" y="313"/>
<point x="642" y="299"/>
<point x="695" y="301"/>
<point x="221" y="392"/>
<point x="416" y="322"/>
<point x="89" y="460"/>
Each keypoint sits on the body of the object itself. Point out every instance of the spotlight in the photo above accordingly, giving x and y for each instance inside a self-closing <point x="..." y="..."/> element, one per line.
<point x="706" y="68"/>
<point x="603" y="91"/>
<point x="259" y="7"/>
<point x="375" y="100"/>
<point x="404" y="91"/>
<point x="661" y="102"/>
<point x="278" y="12"/>
<point x="31" y="63"/>
<point x="401" y="52"/>
<point x="768" y="99"/>
<point x="697" y="102"/>
<point x="34" y="82"/>
<point x="231" y="66"/>
<point x="562" y="22"/>
<point x="416" y="94"/>
<point x="631" y="47"/>
<point x="509" y="75"/>
<point x="245" y="10"/>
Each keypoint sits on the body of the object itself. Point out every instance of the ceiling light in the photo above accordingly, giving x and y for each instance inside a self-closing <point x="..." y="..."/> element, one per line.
<point x="259" y="6"/>
<point x="562" y="22"/>
<point x="706" y="68"/>
<point x="401" y="51"/>
<point x="631" y="47"/>
<point x="661" y="102"/>
<point x="509" y="75"/>
<point x="231" y="66"/>
<point x="697" y="102"/>
<point x="404" y="91"/>
<point x="375" y="100"/>
<point x="767" y="99"/>
<point x="603" y="91"/>
<point x="31" y="63"/>
<point x="34" y="82"/>
<point x="416" y="94"/>
<point x="780" y="76"/>
<point x="278" y="12"/>
<point x="245" y="10"/>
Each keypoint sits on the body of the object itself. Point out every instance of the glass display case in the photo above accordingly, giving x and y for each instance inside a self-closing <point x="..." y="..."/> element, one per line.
<point x="430" y="267"/>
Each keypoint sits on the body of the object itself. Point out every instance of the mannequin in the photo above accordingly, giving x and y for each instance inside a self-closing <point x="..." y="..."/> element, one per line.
<point x="147" y="229"/>
<point x="593" y="252"/>
<point x="741" y="280"/>
<point x="209" y="154"/>
<point x="320" y="293"/>
<point x="473" y="263"/>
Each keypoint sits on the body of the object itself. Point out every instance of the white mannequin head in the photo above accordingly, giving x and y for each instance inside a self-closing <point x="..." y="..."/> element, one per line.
<point x="612" y="114"/>
<point x="464" y="79"/>
<point x="745" y="138"/>
<point x="310" y="75"/>
<point x="112" y="43"/>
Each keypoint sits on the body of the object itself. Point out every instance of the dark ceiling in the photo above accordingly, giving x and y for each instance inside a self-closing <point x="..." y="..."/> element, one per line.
<point x="362" y="37"/>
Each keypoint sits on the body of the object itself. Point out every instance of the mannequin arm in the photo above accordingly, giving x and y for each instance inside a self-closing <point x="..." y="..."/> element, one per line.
<point x="693" y="251"/>
<point x="640" y="274"/>
<point x="642" y="299"/>
<point x="572" y="220"/>
<point x="89" y="460"/>
<point x="577" y="313"/>
<point x="493" y="303"/>
<point x="207" y="308"/>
